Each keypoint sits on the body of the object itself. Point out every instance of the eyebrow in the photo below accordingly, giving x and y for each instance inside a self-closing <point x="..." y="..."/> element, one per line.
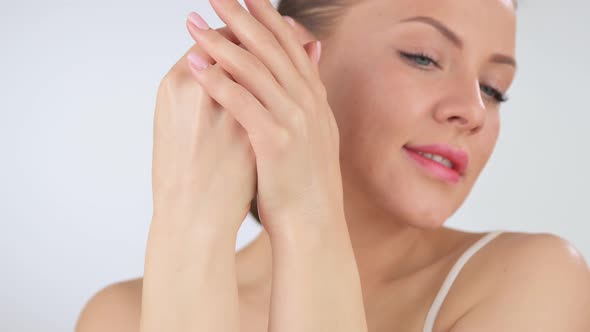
<point x="450" y="35"/>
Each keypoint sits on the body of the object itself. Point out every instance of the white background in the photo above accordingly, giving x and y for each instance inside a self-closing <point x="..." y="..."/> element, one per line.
<point x="78" y="83"/>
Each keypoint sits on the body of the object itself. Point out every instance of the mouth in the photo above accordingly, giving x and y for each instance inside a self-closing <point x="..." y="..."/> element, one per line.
<point x="442" y="161"/>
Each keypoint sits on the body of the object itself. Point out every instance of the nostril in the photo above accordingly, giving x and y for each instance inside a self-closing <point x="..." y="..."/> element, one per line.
<point x="458" y="118"/>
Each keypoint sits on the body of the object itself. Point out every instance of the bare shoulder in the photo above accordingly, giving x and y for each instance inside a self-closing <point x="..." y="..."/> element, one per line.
<point x="115" y="308"/>
<point x="527" y="253"/>
<point x="527" y="282"/>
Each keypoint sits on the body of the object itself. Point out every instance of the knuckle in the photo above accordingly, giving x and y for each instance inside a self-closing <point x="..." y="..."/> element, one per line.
<point x="249" y="63"/>
<point x="214" y="40"/>
<point x="234" y="93"/>
<point x="297" y="120"/>
<point x="308" y="99"/>
<point x="222" y="91"/>
<point x="268" y="43"/>
<point x="322" y="92"/>
<point x="212" y="78"/>
<point x="282" y="140"/>
<point x="265" y="41"/>
<point x="273" y="142"/>
<point x="168" y="79"/>
<point x="168" y="83"/>
<point x="174" y="78"/>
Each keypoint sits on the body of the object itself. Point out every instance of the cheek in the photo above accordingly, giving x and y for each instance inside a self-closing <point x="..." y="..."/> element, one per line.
<point x="380" y="114"/>
<point x="484" y="142"/>
<point x="394" y="109"/>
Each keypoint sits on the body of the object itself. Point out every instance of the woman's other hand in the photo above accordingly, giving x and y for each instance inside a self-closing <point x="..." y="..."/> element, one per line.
<point x="202" y="158"/>
<point x="204" y="178"/>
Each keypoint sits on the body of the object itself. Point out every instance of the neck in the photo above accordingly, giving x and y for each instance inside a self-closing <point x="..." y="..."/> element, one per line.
<point x="385" y="249"/>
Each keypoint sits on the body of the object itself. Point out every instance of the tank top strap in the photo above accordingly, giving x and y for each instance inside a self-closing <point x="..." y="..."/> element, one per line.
<point x="452" y="275"/>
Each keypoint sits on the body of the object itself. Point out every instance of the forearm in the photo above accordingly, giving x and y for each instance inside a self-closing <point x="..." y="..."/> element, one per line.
<point x="315" y="282"/>
<point x="189" y="278"/>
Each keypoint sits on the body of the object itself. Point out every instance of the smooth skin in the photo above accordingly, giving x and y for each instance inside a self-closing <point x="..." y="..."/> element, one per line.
<point x="388" y="239"/>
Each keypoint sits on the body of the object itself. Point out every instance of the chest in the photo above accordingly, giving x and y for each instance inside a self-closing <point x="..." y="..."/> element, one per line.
<point x="381" y="322"/>
<point x="402" y="309"/>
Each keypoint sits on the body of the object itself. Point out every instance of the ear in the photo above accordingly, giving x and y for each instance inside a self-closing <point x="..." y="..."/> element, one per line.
<point x="314" y="51"/>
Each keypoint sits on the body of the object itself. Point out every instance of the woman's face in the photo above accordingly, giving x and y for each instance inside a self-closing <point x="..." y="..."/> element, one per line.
<point x="385" y="98"/>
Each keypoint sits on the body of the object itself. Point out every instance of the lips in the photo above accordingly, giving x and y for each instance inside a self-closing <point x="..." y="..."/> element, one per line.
<point x="457" y="156"/>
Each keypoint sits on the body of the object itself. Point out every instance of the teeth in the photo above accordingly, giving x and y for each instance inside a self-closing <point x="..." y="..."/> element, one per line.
<point x="437" y="158"/>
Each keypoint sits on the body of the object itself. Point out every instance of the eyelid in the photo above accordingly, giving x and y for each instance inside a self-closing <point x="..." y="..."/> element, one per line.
<point x="498" y="96"/>
<point x="411" y="55"/>
<point x="497" y="89"/>
<point x="428" y="51"/>
<point x="493" y="83"/>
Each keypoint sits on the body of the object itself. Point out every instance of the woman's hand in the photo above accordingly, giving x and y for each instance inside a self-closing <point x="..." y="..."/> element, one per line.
<point x="202" y="158"/>
<point x="204" y="178"/>
<point x="279" y="99"/>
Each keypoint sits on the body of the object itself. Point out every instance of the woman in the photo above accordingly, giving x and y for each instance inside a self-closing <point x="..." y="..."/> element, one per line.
<point x="357" y="152"/>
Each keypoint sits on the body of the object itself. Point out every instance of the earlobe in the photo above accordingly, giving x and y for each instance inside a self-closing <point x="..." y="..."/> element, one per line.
<point x="313" y="50"/>
<point x="318" y="51"/>
<point x="309" y="49"/>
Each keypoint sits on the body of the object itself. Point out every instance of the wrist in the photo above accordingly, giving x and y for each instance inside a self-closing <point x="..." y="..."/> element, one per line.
<point x="205" y="225"/>
<point x="293" y="231"/>
<point x="182" y="211"/>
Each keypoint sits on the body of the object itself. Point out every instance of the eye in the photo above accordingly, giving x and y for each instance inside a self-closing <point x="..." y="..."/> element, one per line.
<point x="424" y="60"/>
<point x="420" y="59"/>
<point x="497" y="95"/>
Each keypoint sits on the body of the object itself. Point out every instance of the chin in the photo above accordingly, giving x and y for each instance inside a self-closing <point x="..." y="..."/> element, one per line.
<point x="429" y="206"/>
<point x="429" y="219"/>
<point x="421" y="210"/>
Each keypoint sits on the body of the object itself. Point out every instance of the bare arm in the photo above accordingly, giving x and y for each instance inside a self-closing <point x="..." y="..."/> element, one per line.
<point x="315" y="282"/>
<point x="188" y="283"/>
<point x="190" y="279"/>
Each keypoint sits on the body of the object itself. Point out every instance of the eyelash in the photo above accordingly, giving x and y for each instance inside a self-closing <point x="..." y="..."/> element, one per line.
<point x="497" y="95"/>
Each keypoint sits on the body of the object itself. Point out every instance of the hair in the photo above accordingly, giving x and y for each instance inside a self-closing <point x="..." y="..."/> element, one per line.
<point x="319" y="17"/>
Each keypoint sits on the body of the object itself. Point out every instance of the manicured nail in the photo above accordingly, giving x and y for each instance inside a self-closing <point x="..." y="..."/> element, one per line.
<point x="289" y="20"/>
<point x="197" y="20"/>
<point x="198" y="62"/>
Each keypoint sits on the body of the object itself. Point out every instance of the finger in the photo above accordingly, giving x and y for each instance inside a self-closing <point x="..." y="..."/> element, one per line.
<point x="234" y="98"/>
<point x="265" y="13"/>
<point x="264" y="44"/>
<point x="182" y="63"/>
<point x="246" y="69"/>
<point x="183" y="67"/>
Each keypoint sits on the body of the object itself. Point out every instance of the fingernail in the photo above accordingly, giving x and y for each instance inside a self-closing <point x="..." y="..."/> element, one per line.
<point x="198" y="62"/>
<point x="289" y="20"/>
<point x="197" y="20"/>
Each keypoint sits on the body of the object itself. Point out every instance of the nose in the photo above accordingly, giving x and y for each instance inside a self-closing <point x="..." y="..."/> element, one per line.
<point x="464" y="107"/>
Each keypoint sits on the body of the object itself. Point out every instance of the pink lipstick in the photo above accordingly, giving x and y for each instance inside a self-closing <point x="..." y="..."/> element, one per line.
<point x="428" y="157"/>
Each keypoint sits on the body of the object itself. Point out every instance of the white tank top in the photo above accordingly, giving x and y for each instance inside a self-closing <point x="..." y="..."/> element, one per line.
<point x="444" y="290"/>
